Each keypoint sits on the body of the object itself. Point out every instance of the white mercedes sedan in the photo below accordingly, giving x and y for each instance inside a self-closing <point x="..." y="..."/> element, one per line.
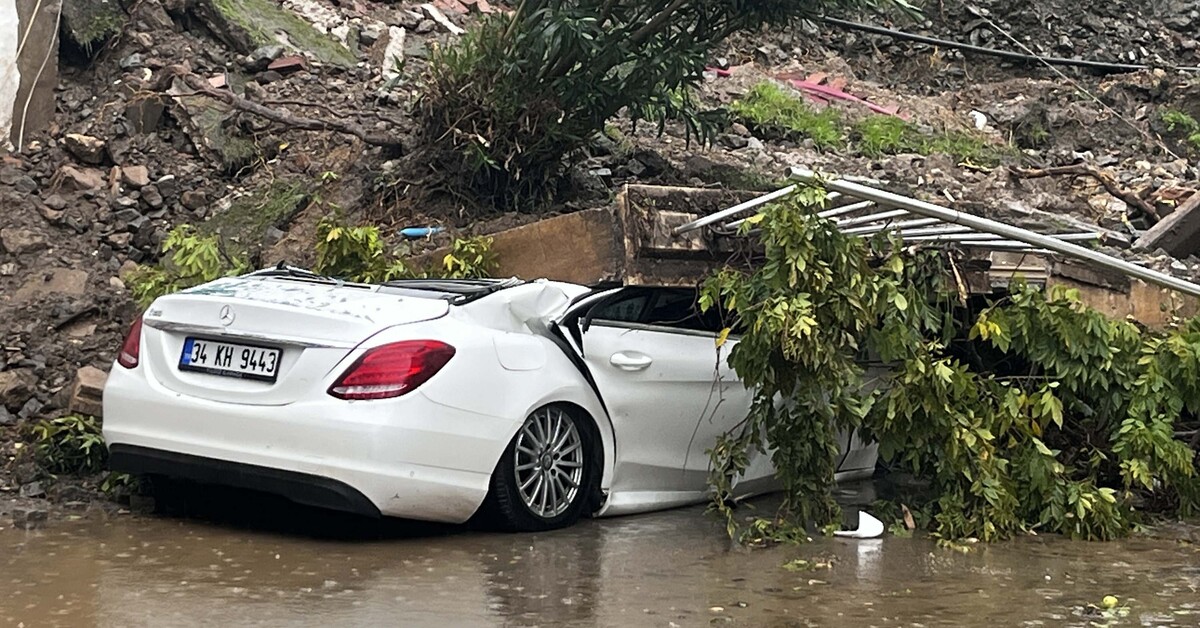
<point x="531" y="403"/>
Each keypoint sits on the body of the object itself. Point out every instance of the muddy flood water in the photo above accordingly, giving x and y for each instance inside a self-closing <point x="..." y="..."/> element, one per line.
<point x="259" y="562"/>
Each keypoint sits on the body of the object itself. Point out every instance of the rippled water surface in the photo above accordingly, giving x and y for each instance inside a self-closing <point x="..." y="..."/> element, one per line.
<point x="300" y="567"/>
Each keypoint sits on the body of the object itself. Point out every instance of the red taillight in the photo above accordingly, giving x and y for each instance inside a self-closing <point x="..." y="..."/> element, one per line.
<point x="392" y="370"/>
<point x="132" y="349"/>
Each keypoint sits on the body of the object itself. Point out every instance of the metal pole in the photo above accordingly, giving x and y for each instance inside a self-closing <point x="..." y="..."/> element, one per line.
<point x="952" y="237"/>
<point x="934" y="230"/>
<point x="862" y="220"/>
<point x="991" y="226"/>
<point x="704" y="221"/>
<point x="827" y="213"/>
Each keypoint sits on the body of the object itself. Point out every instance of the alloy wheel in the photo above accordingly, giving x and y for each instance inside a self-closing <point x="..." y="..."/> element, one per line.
<point x="549" y="462"/>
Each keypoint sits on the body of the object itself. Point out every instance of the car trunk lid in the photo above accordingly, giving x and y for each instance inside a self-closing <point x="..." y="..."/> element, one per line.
<point x="314" y="325"/>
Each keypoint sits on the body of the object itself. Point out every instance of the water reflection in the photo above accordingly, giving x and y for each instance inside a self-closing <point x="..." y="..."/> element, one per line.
<point x="258" y="562"/>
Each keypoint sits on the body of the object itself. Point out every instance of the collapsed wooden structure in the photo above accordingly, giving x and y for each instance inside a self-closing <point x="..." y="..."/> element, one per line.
<point x="659" y="235"/>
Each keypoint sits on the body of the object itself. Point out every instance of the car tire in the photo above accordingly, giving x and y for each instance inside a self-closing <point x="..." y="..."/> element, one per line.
<point x="554" y="493"/>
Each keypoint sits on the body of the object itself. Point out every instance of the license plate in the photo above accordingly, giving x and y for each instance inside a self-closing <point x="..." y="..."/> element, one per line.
<point x="230" y="359"/>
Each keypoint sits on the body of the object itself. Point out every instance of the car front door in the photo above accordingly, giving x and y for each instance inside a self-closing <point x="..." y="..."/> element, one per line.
<point x="657" y="367"/>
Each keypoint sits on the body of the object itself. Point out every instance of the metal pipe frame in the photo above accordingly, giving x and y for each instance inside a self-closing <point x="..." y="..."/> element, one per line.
<point x="937" y="229"/>
<point x="986" y="225"/>
<point x="870" y="218"/>
<point x="827" y="213"/>
<point x="953" y="237"/>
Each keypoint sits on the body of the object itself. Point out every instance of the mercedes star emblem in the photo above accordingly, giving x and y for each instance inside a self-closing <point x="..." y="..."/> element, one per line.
<point x="226" y="315"/>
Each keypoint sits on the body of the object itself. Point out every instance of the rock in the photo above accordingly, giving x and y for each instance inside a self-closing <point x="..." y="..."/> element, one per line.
<point x="262" y="57"/>
<point x="57" y="281"/>
<point x="8" y="269"/>
<point x="16" y="387"/>
<point x="136" y="176"/>
<point x="425" y="27"/>
<point x="737" y="128"/>
<point x="32" y="490"/>
<point x="18" y="241"/>
<point x="6" y="417"/>
<point x="371" y="32"/>
<point x="86" y="148"/>
<point x="732" y="142"/>
<point x="167" y="185"/>
<point x="31" y="408"/>
<point x="55" y="201"/>
<point x="194" y="199"/>
<point x="436" y="15"/>
<point x="288" y="64"/>
<point x="152" y="197"/>
<point x="25" y="184"/>
<point x="88" y="391"/>
<point x="132" y="61"/>
<point x="392" y="63"/>
<point x="29" y="518"/>
<point x="73" y="179"/>
<point x="270" y="76"/>
<point x="753" y="143"/>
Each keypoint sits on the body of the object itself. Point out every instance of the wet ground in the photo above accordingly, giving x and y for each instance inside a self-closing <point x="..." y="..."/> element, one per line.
<point x="258" y="562"/>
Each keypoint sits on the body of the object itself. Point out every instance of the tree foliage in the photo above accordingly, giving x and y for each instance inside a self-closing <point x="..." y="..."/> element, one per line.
<point x="1038" y="413"/>
<point x="524" y="91"/>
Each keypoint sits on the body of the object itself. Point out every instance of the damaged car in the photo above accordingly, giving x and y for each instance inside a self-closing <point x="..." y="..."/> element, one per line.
<point x="531" y="403"/>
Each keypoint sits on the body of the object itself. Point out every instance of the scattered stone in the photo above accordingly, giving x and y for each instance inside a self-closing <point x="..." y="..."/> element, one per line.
<point x="152" y="197"/>
<point x="86" y="148"/>
<point x="32" y="490"/>
<point x="732" y="142"/>
<point x="392" y="63"/>
<point x="167" y="185"/>
<point x="72" y="179"/>
<point x="31" y="408"/>
<point x="753" y="143"/>
<point x="270" y="76"/>
<point x="288" y="64"/>
<point x="88" y="390"/>
<point x="6" y="417"/>
<point x="262" y="57"/>
<point x="371" y="32"/>
<point x="25" y="518"/>
<point x="194" y="199"/>
<point x="132" y="61"/>
<point x="55" y="201"/>
<point x="439" y="17"/>
<point x="424" y="27"/>
<point x="15" y="387"/>
<point x="18" y="241"/>
<point x="737" y="128"/>
<point x="8" y="269"/>
<point x="136" y="176"/>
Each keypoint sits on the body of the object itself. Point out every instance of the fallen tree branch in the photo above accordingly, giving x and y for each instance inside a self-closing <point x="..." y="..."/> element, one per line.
<point x="1105" y="178"/>
<point x="292" y="121"/>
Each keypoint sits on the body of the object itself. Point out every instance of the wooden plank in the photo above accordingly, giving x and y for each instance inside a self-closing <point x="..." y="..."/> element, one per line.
<point x="582" y="247"/>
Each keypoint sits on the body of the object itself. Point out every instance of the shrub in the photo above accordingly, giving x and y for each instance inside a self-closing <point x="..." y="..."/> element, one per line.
<point x="774" y="112"/>
<point x="502" y="111"/>
<point x="358" y="253"/>
<point x="69" y="444"/>
<point x="194" y="259"/>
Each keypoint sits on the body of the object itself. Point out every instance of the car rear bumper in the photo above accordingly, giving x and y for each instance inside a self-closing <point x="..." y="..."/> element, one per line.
<point x="299" y="487"/>
<point x="408" y="457"/>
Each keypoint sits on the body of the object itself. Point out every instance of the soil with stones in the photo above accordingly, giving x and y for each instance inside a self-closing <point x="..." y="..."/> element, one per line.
<point x="135" y="150"/>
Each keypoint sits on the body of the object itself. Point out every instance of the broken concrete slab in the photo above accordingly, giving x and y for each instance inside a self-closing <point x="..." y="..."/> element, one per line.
<point x="1178" y="234"/>
<point x="247" y="25"/>
<point x="88" y="390"/>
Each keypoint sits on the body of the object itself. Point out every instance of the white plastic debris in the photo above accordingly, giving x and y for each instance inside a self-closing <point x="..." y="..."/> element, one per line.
<point x="979" y="119"/>
<point x="441" y="18"/>
<point x="868" y="528"/>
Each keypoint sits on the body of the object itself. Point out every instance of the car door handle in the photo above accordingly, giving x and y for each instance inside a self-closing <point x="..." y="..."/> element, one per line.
<point x="630" y="361"/>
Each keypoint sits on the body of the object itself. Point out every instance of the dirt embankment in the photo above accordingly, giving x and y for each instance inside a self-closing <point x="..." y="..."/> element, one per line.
<point x="135" y="150"/>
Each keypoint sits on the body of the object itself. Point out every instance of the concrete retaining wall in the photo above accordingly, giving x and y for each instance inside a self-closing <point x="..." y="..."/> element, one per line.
<point x="28" y="68"/>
